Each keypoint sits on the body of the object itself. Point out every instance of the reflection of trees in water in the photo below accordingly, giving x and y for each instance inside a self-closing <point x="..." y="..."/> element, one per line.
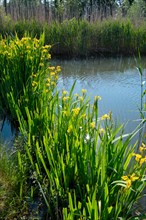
<point x="93" y="66"/>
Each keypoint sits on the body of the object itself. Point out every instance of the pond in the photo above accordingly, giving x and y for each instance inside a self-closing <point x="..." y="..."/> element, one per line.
<point x="116" y="80"/>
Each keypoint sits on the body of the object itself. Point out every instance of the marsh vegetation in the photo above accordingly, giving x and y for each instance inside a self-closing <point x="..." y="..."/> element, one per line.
<point x="67" y="161"/>
<point x="71" y="163"/>
<point x="79" y="28"/>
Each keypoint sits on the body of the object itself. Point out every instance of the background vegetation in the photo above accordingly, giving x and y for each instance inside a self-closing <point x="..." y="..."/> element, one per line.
<point x="48" y="10"/>
<point x="79" y="28"/>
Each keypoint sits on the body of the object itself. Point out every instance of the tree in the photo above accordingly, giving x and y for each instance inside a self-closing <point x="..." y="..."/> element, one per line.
<point x="5" y="5"/>
<point x="138" y="9"/>
<point x="46" y="7"/>
<point x="23" y="9"/>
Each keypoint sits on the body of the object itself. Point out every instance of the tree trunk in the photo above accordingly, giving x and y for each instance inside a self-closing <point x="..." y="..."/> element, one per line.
<point x="5" y="5"/>
<point x="46" y="5"/>
<point x="111" y="10"/>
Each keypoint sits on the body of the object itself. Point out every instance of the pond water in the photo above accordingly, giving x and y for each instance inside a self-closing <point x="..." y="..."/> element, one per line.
<point x="116" y="80"/>
<point x="7" y="132"/>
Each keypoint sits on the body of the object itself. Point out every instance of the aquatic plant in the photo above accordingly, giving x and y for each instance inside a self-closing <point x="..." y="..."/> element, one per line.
<point x="77" y="164"/>
<point x="23" y="65"/>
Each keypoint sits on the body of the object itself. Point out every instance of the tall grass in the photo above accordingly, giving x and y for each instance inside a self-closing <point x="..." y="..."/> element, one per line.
<point x="75" y="157"/>
<point x="11" y="206"/>
<point x="82" y="38"/>
<point x="79" y="165"/>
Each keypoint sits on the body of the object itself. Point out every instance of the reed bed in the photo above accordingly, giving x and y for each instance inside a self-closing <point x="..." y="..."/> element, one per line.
<point x="75" y="164"/>
<point x="82" y="38"/>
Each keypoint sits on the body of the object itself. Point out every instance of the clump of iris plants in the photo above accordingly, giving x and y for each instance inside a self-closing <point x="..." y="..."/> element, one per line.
<point x="74" y="162"/>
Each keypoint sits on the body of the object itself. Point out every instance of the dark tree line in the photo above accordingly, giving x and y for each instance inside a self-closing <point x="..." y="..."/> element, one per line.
<point x="64" y="9"/>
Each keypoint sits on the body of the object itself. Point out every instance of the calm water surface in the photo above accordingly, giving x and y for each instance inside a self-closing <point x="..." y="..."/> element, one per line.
<point x="116" y="80"/>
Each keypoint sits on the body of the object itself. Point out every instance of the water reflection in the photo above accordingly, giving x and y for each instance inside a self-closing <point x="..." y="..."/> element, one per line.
<point x="7" y="132"/>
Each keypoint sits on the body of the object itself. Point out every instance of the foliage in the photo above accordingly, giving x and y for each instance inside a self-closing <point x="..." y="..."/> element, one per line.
<point x="23" y="65"/>
<point x="79" y="165"/>
<point x="11" y="205"/>
<point x="80" y="38"/>
<point x="137" y="10"/>
<point x="6" y="24"/>
<point x="59" y="9"/>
